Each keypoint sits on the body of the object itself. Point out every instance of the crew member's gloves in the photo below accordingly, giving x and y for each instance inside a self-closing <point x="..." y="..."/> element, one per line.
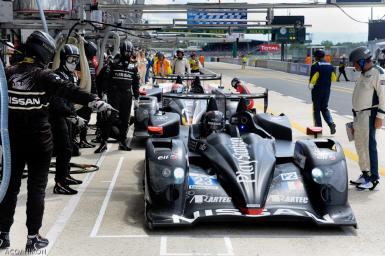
<point x="104" y="98"/>
<point x="78" y="121"/>
<point x="311" y="86"/>
<point x="100" y="106"/>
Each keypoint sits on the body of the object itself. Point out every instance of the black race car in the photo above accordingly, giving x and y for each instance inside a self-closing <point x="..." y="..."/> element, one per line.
<point x="250" y="170"/>
<point x="170" y="106"/>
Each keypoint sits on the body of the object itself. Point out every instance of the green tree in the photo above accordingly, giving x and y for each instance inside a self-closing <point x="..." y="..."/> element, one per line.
<point x="327" y="44"/>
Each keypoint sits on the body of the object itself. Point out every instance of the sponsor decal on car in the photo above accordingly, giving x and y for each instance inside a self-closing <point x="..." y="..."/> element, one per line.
<point x="246" y="172"/>
<point x="167" y="157"/>
<point x="199" y="181"/>
<point x="324" y="155"/>
<point x="292" y="185"/>
<point x="200" y="199"/>
<point x="202" y="146"/>
<point x="177" y="219"/>
<point x="288" y="199"/>
<point x="289" y="176"/>
<point x="161" y="118"/>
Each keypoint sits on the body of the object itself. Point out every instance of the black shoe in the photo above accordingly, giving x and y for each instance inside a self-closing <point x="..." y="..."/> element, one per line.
<point x="63" y="189"/>
<point x="332" y="128"/>
<point x="97" y="140"/>
<point x="124" y="146"/>
<point x="4" y="240"/>
<point x="86" y="144"/>
<point x="72" y="181"/>
<point x="101" y="148"/>
<point x="76" y="152"/>
<point x="35" y="243"/>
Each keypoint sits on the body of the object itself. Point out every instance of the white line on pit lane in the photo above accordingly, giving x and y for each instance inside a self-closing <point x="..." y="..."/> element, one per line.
<point x="163" y="249"/>
<point x="332" y="110"/>
<point x="296" y="99"/>
<point x="348" y="116"/>
<point x="103" y="209"/>
<point x="69" y="209"/>
<point x="122" y="236"/>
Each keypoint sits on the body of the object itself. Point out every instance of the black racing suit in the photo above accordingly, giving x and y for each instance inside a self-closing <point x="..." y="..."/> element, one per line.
<point x="29" y="89"/>
<point x="62" y="129"/>
<point x="120" y="80"/>
<point x="85" y="112"/>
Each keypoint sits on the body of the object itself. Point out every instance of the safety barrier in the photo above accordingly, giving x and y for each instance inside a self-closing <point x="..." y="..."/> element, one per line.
<point x="288" y="67"/>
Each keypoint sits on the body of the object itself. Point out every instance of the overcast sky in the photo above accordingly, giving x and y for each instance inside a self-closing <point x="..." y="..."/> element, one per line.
<point x="327" y="23"/>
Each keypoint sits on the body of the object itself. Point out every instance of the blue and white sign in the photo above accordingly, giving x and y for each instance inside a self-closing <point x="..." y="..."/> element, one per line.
<point x="200" y="16"/>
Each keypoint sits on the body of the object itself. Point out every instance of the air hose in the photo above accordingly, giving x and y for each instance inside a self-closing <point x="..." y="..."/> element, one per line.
<point x="42" y="16"/>
<point x="85" y="82"/>
<point x="80" y="168"/>
<point x="103" y="47"/>
<point x="6" y="148"/>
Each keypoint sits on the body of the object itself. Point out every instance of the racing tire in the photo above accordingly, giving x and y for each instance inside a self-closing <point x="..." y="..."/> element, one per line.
<point x="148" y="222"/>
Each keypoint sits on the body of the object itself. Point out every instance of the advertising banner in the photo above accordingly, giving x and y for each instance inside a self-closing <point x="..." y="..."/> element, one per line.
<point x="220" y="16"/>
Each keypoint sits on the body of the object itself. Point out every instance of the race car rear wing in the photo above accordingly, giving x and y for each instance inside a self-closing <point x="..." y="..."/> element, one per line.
<point x="191" y="77"/>
<point x="219" y="95"/>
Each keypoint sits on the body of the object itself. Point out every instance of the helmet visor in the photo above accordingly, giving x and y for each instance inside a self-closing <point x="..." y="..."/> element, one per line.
<point x="73" y="59"/>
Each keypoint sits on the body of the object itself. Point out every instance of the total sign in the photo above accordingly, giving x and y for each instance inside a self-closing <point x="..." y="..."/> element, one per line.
<point x="269" y="47"/>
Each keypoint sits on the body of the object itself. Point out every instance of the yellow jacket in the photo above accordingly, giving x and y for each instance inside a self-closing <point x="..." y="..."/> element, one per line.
<point x="194" y="65"/>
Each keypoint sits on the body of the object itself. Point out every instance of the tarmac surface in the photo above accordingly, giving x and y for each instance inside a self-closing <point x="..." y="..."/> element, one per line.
<point x="106" y="216"/>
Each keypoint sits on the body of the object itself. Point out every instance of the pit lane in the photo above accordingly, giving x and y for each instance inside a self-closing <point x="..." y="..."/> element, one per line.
<point x="106" y="217"/>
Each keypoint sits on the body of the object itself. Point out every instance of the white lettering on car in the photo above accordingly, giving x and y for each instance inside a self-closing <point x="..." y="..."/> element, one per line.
<point x="235" y="212"/>
<point x="246" y="167"/>
<point x="200" y="199"/>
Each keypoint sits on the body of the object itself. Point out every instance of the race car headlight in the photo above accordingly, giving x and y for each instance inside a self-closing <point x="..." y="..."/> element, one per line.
<point x="318" y="175"/>
<point x="179" y="174"/>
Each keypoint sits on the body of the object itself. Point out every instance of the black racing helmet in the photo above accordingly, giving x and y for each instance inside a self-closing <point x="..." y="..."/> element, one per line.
<point x="126" y="48"/>
<point x="41" y="46"/>
<point x="178" y="80"/>
<point x="214" y="121"/>
<point x="196" y="86"/>
<point x="91" y="49"/>
<point x="234" y="82"/>
<point x="69" y="50"/>
<point x="319" y="53"/>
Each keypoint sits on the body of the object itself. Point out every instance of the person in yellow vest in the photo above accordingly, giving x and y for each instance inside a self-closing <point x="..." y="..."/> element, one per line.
<point x="162" y="66"/>
<point x="195" y="65"/>
<point x="244" y="61"/>
<point x="322" y="75"/>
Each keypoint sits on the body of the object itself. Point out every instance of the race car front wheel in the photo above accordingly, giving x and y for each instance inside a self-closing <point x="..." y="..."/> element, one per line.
<point x="147" y="220"/>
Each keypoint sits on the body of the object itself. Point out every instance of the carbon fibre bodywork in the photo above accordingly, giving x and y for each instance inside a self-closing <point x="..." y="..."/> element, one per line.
<point x="245" y="173"/>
